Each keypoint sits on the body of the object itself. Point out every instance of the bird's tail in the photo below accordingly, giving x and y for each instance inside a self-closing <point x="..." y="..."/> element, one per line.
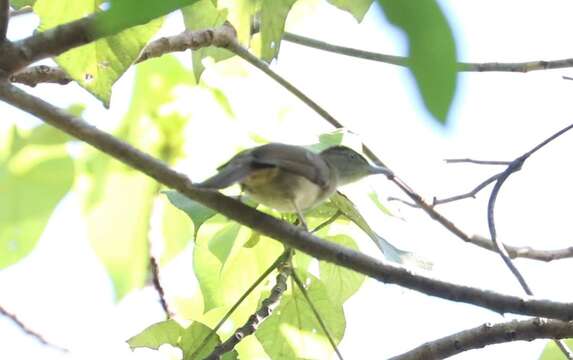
<point x="227" y="176"/>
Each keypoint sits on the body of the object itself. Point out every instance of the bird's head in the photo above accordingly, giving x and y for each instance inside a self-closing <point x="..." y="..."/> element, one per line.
<point x="350" y="165"/>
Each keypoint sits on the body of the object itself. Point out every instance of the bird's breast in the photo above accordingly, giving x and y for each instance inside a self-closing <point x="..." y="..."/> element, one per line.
<point x="281" y="190"/>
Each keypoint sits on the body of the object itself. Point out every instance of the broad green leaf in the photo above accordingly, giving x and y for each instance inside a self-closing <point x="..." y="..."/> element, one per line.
<point x="192" y="343"/>
<point x="33" y="180"/>
<point x="432" y="51"/>
<point x="118" y="201"/>
<point x="202" y="15"/>
<point x="165" y="332"/>
<point x="97" y="65"/>
<point x="177" y="231"/>
<point x="187" y="339"/>
<point x="240" y="15"/>
<point x="552" y="352"/>
<point x="273" y="18"/>
<point x="124" y="14"/>
<point x="349" y="210"/>
<point x="357" y="8"/>
<point x="118" y="223"/>
<point x="18" y="4"/>
<point x="207" y="267"/>
<point x="47" y="135"/>
<point x="221" y="243"/>
<point x="196" y="211"/>
<point x="292" y="331"/>
<point x="340" y="283"/>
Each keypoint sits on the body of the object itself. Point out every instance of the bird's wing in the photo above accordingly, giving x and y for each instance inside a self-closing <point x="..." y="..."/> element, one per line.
<point x="294" y="159"/>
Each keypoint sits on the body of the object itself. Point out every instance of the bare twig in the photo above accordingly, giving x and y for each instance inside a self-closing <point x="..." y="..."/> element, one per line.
<point x="283" y="258"/>
<point x="288" y="234"/>
<point x="488" y="334"/>
<point x="403" y="61"/>
<point x="515" y="166"/>
<point x="480" y="162"/>
<point x="29" y="331"/>
<point x="4" y="18"/>
<point x="285" y="270"/>
<point x="314" y="310"/>
<point x="470" y="194"/>
<point x="157" y="285"/>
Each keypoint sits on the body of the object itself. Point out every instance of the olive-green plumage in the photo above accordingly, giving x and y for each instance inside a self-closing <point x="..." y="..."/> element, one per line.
<point x="291" y="178"/>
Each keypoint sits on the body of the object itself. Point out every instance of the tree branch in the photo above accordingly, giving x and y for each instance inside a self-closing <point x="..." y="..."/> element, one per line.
<point x="288" y="234"/>
<point x="29" y="331"/>
<point x="34" y="75"/>
<point x="488" y="334"/>
<point x="4" y="18"/>
<point x="403" y="61"/>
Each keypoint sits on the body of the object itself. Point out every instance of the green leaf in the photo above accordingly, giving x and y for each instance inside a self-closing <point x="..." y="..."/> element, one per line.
<point x="18" y="4"/>
<point x="273" y="18"/>
<point x="552" y="352"/>
<point x="177" y="231"/>
<point x="376" y="200"/>
<point x="95" y="66"/>
<point x="240" y="15"/>
<point x="188" y="340"/>
<point x="118" y="220"/>
<point x="165" y="332"/>
<point x="118" y="201"/>
<point x="432" y="51"/>
<point x="202" y="15"/>
<point x="222" y="242"/>
<point x="357" y="8"/>
<point x="292" y="331"/>
<point x="349" y="210"/>
<point x="47" y="135"/>
<point x="340" y="283"/>
<point x="196" y="211"/>
<point x="124" y="14"/>
<point x="33" y="180"/>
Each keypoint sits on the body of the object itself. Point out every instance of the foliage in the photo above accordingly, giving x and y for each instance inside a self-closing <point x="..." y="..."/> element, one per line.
<point x="119" y="204"/>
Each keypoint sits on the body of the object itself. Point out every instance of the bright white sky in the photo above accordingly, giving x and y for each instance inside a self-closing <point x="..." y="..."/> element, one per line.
<point x="61" y="290"/>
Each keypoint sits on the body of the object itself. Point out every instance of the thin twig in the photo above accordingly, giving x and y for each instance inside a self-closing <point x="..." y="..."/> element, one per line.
<point x="403" y="61"/>
<point x="327" y="222"/>
<point x="4" y="18"/>
<point x="489" y="334"/>
<point x="515" y="166"/>
<point x="480" y="162"/>
<point x="157" y="285"/>
<point x="29" y="331"/>
<point x="236" y="48"/>
<point x="251" y="325"/>
<point x="314" y="310"/>
<point x="280" y="260"/>
<point x="288" y="234"/>
<point x="470" y="194"/>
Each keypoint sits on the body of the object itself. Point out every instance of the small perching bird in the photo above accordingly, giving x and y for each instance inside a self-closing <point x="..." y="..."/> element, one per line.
<point x="291" y="178"/>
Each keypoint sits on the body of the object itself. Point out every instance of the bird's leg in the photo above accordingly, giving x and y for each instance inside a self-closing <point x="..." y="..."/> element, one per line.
<point x="300" y="216"/>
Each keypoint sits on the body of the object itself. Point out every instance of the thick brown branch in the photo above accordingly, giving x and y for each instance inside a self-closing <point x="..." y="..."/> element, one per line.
<point x="488" y="334"/>
<point x="4" y="18"/>
<point x="290" y="235"/>
<point x="34" y="75"/>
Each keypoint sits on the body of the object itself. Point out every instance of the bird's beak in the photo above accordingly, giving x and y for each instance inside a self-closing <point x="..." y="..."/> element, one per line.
<point x="373" y="170"/>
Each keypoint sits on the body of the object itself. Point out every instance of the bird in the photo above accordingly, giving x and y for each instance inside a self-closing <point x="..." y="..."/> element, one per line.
<point x="292" y="178"/>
